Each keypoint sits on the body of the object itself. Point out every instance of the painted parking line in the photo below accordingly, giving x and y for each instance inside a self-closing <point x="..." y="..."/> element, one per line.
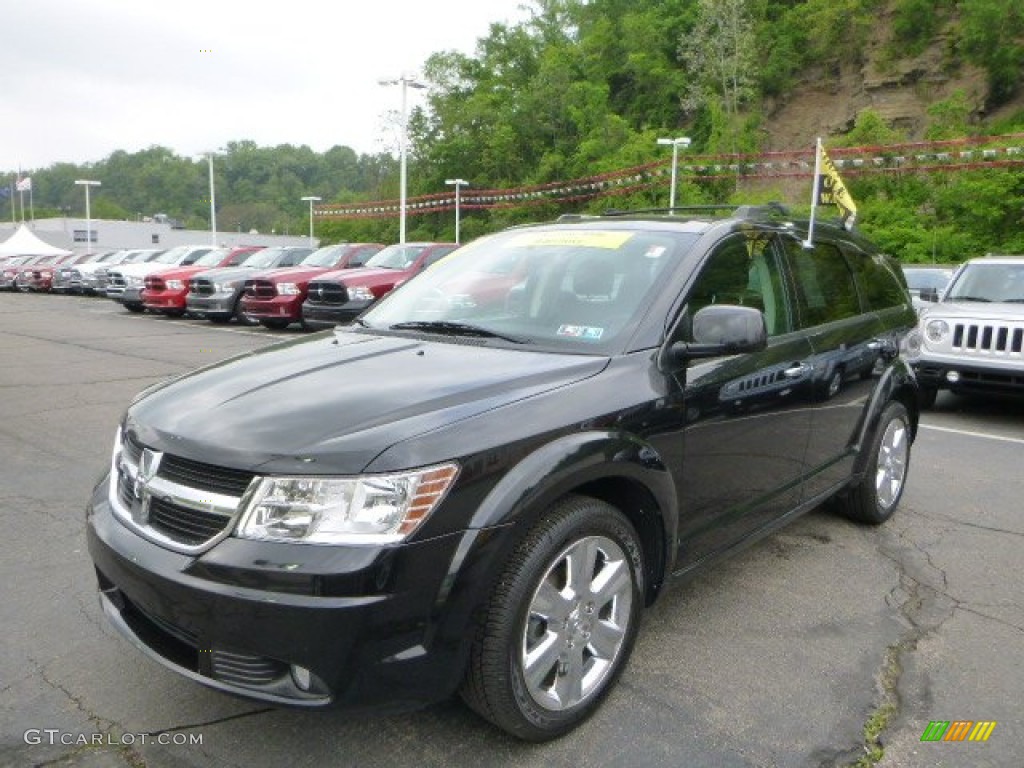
<point x="969" y="433"/>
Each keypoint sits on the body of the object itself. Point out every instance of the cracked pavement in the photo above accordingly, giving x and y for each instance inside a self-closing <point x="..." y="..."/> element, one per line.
<point x="777" y="657"/>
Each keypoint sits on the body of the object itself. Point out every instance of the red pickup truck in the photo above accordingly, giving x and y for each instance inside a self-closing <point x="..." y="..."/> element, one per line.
<point x="274" y="298"/>
<point x="166" y="290"/>
<point x="338" y="297"/>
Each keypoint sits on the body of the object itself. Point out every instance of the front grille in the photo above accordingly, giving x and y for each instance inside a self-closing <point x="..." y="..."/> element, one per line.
<point x="327" y="293"/>
<point x="189" y="638"/>
<point x="260" y="289"/>
<point x="132" y="448"/>
<point x="986" y="339"/>
<point x="246" y="669"/>
<point x="206" y="477"/>
<point x="155" y="284"/>
<point x="114" y="279"/>
<point x="188" y="526"/>
<point x="200" y="287"/>
<point x="185" y="505"/>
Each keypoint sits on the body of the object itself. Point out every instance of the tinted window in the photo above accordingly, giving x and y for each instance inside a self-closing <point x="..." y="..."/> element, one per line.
<point x="825" y="287"/>
<point x="745" y="270"/>
<point x="880" y="281"/>
<point x="436" y="255"/>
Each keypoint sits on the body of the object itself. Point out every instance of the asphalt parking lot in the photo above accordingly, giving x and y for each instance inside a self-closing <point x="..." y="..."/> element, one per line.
<point x="779" y="657"/>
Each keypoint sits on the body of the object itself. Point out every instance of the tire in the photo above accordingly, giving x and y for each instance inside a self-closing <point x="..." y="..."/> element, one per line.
<point x="926" y="397"/>
<point x="876" y="497"/>
<point x="275" y="324"/>
<point x="538" y="608"/>
<point x="835" y="383"/>
<point x="136" y="308"/>
<point x="239" y="315"/>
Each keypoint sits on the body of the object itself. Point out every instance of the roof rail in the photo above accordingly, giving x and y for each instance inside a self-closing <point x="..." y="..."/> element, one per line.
<point x="767" y="210"/>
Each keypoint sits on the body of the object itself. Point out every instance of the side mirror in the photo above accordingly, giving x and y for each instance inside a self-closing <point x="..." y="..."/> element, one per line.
<point x="929" y="294"/>
<point x="723" y="329"/>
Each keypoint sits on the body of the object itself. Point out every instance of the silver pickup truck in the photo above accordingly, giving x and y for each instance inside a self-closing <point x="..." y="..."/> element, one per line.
<point x="971" y="339"/>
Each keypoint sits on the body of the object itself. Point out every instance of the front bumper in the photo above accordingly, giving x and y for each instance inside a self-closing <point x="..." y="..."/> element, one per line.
<point x="212" y="305"/>
<point x="276" y="308"/>
<point x="163" y="301"/>
<point x="328" y="316"/>
<point x="969" y="377"/>
<point x="366" y="622"/>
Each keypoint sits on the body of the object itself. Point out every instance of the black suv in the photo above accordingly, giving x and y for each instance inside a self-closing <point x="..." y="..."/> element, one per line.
<point x="480" y="485"/>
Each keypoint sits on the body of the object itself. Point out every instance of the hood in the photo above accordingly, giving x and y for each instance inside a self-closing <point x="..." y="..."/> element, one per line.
<point x="331" y="402"/>
<point x="973" y="310"/>
<point x="224" y="274"/>
<point x="140" y="270"/>
<point x="364" y="275"/>
<point x="297" y="273"/>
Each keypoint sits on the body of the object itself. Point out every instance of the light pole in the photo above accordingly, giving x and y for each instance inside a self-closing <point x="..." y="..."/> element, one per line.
<point x="88" y="213"/>
<point x="311" y="199"/>
<point x="213" y="204"/>
<point x="681" y="141"/>
<point x="458" y="184"/>
<point x="406" y="81"/>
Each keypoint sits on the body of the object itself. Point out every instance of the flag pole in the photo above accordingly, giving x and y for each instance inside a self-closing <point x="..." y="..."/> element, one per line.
<point x="809" y="242"/>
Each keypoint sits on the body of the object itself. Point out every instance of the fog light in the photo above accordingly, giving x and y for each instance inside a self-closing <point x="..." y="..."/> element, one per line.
<point x="302" y="677"/>
<point x="953" y="377"/>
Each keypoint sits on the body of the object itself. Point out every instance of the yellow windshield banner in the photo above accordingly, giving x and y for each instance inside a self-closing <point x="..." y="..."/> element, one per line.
<point x="580" y="239"/>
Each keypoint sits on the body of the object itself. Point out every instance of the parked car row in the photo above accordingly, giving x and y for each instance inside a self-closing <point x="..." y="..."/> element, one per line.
<point x="250" y="284"/>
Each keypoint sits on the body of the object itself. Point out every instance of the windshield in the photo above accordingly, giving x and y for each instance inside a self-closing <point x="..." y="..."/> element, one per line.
<point x="396" y="256"/>
<point x="268" y="257"/>
<point x="324" y="257"/>
<point x="172" y="256"/>
<point x="578" y="289"/>
<point x="927" y="278"/>
<point x="989" y="282"/>
<point x="211" y="259"/>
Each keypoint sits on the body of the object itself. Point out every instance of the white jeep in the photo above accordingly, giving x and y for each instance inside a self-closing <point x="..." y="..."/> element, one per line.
<point x="971" y="338"/>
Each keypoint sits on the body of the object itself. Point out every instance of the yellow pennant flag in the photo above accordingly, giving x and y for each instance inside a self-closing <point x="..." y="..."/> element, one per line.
<point x="832" y="191"/>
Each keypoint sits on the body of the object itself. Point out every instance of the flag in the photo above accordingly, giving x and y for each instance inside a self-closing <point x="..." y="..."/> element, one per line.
<point x="832" y="191"/>
<point x="25" y="185"/>
<point x="828" y="190"/>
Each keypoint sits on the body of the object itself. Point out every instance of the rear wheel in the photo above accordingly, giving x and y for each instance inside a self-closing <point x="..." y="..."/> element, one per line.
<point x="561" y="622"/>
<point x="875" y="498"/>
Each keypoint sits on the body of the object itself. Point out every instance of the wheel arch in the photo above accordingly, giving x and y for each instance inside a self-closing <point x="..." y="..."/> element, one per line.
<point x="617" y="468"/>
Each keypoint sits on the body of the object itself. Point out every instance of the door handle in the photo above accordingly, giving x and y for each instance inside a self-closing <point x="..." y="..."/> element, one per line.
<point x="798" y="370"/>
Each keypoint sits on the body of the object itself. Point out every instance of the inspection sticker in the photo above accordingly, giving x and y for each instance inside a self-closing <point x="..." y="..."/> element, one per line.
<point x="581" y="332"/>
<point x="582" y="239"/>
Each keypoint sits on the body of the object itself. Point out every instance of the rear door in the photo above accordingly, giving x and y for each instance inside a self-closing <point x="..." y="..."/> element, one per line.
<point x="843" y="332"/>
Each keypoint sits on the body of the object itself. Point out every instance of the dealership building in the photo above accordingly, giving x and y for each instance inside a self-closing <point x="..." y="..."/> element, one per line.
<point x="153" y="232"/>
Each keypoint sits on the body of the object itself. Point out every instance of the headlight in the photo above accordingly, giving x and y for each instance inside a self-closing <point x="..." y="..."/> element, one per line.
<point x="131" y="281"/>
<point x="227" y="287"/>
<point x="936" y="330"/>
<point x="175" y="285"/>
<point x="371" y="509"/>
<point x="910" y="345"/>
<point x="360" y="293"/>
<point x="287" y="289"/>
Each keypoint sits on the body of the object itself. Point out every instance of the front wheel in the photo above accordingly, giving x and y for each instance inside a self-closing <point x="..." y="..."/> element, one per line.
<point x="275" y="324"/>
<point x="561" y="622"/>
<point x="136" y="308"/>
<point x="874" y="499"/>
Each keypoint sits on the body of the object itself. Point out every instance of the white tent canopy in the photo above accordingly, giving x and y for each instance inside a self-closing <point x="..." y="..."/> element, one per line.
<point x="24" y="243"/>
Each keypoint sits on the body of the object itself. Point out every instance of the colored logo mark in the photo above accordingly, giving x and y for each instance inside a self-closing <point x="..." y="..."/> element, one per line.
<point x="958" y="730"/>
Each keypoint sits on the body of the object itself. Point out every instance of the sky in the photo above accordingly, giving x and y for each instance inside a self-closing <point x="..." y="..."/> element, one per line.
<point x="80" y="79"/>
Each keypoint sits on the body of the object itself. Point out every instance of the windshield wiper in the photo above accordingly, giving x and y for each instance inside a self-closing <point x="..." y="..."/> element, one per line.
<point x="970" y="298"/>
<point x="455" y="329"/>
